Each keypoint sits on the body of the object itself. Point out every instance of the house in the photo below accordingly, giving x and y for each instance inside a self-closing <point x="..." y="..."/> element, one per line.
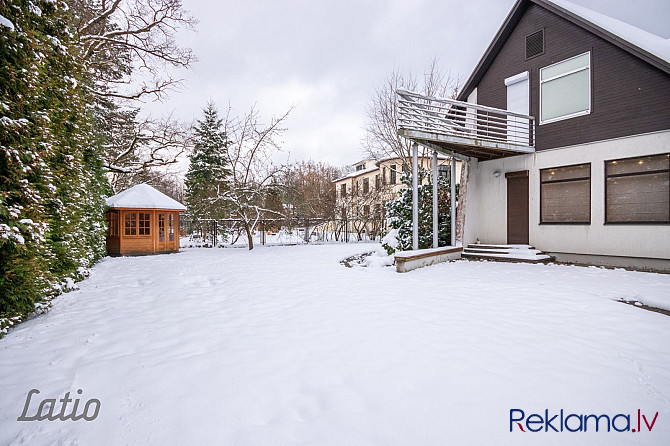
<point x="142" y="220"/>
<point x="362" y="193"/>
<point x="565" y="127"/>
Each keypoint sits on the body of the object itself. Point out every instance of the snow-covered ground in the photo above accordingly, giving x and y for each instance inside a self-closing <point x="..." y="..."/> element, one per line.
<point x="283" y="345"/>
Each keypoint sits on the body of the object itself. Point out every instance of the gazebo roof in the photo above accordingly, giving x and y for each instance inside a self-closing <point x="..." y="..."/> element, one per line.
<point x="143" y="196"/>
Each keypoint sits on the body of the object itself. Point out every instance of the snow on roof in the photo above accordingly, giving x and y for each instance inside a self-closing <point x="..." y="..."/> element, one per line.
<point x="143" y="196"/>
<point x="356" y="173"/>
<point x="651" y="43"/>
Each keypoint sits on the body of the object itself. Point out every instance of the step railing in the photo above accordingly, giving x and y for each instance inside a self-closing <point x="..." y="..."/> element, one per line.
<point x="449" y="117"/>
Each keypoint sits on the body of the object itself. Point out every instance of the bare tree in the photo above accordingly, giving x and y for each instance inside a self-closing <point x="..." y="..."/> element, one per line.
<point x="120" y="37"/>
<point x="134" y="149"/>
<point x="253" y="169"/>
<point x="382" y="139"/>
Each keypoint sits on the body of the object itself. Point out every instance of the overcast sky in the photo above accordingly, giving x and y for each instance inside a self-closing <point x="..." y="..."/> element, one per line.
<point x="327" y="57"/>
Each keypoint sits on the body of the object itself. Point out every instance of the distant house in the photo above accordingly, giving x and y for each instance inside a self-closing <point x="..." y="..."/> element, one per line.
<point x="362" y="193"/>
<point x="565" y="122"/>
<point x="142" y="220"/>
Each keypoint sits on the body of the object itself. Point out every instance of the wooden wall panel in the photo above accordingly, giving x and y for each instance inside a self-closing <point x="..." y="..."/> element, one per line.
<point x="629" y="96"/>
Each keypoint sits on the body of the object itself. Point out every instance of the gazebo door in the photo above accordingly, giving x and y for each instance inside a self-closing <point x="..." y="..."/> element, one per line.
<point x="162" y="234"/>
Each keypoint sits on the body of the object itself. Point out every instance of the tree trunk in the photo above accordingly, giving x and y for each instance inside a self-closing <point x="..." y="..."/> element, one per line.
<point x="462" y="199"/>
<point x="247" y="229"/>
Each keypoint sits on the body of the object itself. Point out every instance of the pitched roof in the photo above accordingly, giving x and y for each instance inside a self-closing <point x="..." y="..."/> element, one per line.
<point x="651" y="48"/>
<point x="143" y="196"/>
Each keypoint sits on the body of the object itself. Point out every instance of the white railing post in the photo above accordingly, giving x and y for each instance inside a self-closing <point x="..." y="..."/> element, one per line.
<point x="415" y="196"/>
<point x="435" y="213"/>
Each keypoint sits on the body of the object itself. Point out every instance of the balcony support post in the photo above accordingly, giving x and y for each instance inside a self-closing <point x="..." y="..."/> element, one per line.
<point x="415" y="196"/>
<point x="452" y="193"/>
<point x="435" y="211"/>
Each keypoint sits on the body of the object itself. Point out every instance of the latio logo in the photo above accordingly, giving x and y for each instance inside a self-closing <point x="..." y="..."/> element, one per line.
<point x="561" y="422"/>
<point x="47" y="409"/>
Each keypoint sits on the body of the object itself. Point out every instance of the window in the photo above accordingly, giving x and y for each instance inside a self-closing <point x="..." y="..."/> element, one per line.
<point x="360" y="167"/>
<point x="384" y="176"/>
<point x="171" y="227"/>
<point x="393" y="174"/>
<point x="161" y="227"/>
<point x="637" y="190"/>
<point x="131" y="223"/>
<point x="565" y="89"/>
<point x="378" y="184"/>
<point x="405" y="169"/>
<point x="343" y="190"/>
<point x="366" y="210"/>
<point x="443" y="171"/>
<point x="145" y="223"/>
<point x="113" y="223"/>
<point x="565" y="194"/>
<point x="366" y="185"/>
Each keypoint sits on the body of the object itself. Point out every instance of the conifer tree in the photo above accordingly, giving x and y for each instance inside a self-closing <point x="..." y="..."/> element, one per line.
<point x="51" y="181"/>
<point x="208" y="174"/>
<point x="399" y="213"/>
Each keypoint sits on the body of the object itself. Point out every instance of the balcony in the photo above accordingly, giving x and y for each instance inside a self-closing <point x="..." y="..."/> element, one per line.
<point x="456" y="127"/>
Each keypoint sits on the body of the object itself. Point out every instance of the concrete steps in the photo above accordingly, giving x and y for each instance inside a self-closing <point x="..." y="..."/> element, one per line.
<point x="505" y="253"/>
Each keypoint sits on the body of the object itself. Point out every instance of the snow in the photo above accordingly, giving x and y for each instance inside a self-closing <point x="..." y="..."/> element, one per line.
<point x="649" y="42"/>
<point x="284" y="345"/>
<point x="356" y="173"/>
<point x="4" y="21"/>
<point x="143" y="196"/>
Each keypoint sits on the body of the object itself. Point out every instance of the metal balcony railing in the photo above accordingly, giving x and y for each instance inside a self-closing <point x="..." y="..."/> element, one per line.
<point x="469" y="124"/>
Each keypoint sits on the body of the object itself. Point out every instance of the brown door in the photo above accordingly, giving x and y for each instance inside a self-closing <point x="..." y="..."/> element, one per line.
<point x="517" y="207"/>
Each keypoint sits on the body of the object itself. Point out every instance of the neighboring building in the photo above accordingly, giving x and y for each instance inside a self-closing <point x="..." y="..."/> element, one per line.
<point x="566" y="124"/>
<point x="142" y="220"/>
<point x="362" y="193"/>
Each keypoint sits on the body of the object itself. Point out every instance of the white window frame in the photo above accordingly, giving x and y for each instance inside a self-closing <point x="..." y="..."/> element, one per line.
<point x="576" y="70"/>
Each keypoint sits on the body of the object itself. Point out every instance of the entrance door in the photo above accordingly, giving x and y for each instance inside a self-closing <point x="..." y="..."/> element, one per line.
<point x="518" y="101"/>
<point x="162" y="245"/>
<point x="517" y="207"/>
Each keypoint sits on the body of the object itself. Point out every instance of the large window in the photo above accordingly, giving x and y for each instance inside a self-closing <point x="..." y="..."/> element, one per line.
<point x="565" y="194"/>
<point x="137" y="226"/>
<point x="393" y="174"/>
<point x="565" y="89"/>
<point x="366" y="185"/>
<point x="343" y="190"/>
<point x="637" y="190"/>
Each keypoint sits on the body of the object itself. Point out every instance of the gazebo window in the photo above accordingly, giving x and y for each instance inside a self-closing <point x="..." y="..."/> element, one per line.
<point x="171" y="227"/>
<point x="113" y="224"/>
<point x="131" y="223"/>
<point x="145" y="223"/>
<point x="161" y="227"/>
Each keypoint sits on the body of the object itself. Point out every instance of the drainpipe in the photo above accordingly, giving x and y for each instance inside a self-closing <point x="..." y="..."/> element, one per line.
<point x="435" y="229"/>
<point x="452" y="184"/>
<point x="415" y="196"/>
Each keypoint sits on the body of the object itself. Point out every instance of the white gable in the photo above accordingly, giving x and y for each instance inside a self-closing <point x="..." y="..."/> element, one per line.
<point x="143" y="196"/>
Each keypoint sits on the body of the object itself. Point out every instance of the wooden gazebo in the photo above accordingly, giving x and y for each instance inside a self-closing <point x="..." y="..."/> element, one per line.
<point x="142" y="220"/>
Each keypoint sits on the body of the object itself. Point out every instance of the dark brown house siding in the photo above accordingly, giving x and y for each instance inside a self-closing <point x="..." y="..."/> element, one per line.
<point x="629" y="96"/>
